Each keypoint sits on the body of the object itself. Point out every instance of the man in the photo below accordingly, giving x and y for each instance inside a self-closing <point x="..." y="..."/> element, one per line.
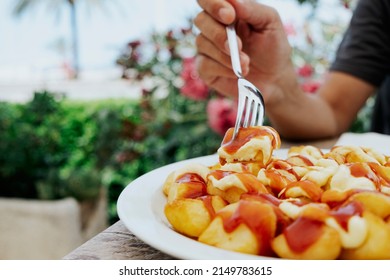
<point x="362" y="66"/>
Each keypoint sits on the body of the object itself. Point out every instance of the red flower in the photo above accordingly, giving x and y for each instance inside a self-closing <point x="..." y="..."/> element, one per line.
<point x="221" y="114"/>
<point x="134" y="44"/>
<point x="193" y="88"/>
<point x="310" y="86"/>
<point x="305" y="71"/>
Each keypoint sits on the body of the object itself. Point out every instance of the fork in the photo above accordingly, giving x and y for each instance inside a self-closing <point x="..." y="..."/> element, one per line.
<point x="251" y="109"/>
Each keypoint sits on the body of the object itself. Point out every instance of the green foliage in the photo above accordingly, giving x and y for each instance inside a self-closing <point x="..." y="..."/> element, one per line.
<point x="53" y="148"/>
<point x="44" y="146"/>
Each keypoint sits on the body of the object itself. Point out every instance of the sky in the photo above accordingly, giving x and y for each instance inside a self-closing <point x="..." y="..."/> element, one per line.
<point x="34" y="42"/>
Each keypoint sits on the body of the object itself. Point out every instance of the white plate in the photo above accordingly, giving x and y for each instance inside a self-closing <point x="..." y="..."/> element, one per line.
<point x="141" y="208"/>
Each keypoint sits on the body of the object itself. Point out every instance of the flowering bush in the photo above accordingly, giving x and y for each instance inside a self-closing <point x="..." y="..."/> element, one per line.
<point x="167" y="62"/>
<point x="315" y="45"/>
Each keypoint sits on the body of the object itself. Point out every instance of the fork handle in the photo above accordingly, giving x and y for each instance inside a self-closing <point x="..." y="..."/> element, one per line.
<point x="233" y="47"/>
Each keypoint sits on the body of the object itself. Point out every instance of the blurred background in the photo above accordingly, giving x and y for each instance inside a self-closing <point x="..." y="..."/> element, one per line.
<point x="95" y="93"/>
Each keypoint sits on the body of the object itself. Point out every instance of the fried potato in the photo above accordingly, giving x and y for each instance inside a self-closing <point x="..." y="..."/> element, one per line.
<point x="252" y="144"/>
<point x="377" y="243"/>
<point x="309" y="205"/>
<point x="191" y="216"/>
<point x="354" y="176"/>
<point x="231" y="185"/>
<point x="245" y="226"/>
<point x="193" y="168"/>
<point x="314" y="241"/>
<point x="375" y="202"/>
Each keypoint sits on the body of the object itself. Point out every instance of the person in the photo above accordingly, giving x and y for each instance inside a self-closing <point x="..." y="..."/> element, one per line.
<point x="361" y="67"/>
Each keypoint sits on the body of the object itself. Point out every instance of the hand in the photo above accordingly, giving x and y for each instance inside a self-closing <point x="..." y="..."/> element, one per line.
<point x="264" y="48"/>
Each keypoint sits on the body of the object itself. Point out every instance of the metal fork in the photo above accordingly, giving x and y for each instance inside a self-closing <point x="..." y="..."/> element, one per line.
<point x="250" y="110"/>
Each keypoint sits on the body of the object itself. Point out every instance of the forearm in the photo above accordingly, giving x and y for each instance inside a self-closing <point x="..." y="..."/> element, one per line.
<point x="298" y="115"/>
<point x="307" y="117"/>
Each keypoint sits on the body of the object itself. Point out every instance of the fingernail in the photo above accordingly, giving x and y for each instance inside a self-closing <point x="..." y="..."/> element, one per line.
<point x="244" y="64"/>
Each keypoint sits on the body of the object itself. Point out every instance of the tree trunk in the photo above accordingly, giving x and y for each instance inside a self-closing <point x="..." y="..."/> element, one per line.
<point x="75" y="43"/>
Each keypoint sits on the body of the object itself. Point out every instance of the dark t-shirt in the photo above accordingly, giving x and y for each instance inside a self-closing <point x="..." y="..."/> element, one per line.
<point x="365" y="53"/>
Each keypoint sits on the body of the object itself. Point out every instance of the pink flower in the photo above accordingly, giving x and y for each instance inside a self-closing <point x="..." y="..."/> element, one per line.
<point x="305" y="71"/>
<point x="289" y="28"/>
<point x="221" y="114"/>
<point x="310" y="86"/>
<point x="193" y="88"/>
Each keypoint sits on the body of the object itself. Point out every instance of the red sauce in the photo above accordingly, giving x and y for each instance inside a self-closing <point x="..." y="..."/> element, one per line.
<point x="302" y="233"/>
<point x="346" y="211"/>
<point x="263" y="197"/>
<point x="208" y="203"/>
<point x="219" y="174"/>
<point x="258" y="217"/>
<point x="282" y="165"/>
<point x="196" y="185"/>
<point x="282" y="220"/>
<point x="277" y="181"/>
<point x="303" y="159"/>
<point x="244" y="135"/>
<point x="362" y="170"/>
<point x="250" y="181"/>
<point x="381" y="171"/>
<point x="313" y="190"/>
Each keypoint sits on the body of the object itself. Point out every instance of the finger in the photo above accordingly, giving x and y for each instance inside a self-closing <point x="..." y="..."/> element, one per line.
<point x="225" y="82"/>
<point x="221" y="10"/>
<point x="209" y="69"/>
<point x="212" y="30"/>
<point x="226" y="86"/>
<point x="256" y="14"/>
<point x="207" y="48"/>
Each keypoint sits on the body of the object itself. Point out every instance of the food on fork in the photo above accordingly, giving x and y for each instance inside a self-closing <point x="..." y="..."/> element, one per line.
<point x="310" y="205"/>
<point x="252" y="144"/>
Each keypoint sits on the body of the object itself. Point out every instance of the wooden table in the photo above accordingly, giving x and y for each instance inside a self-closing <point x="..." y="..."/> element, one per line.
<point x="118" y="243"/>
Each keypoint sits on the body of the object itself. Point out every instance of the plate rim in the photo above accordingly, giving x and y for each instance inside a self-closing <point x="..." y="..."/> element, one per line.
<point x="148" y="225"/>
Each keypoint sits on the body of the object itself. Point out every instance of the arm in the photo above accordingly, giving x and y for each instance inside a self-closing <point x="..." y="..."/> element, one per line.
<point x="328" y="113"/>
<point x="266" y="62"/>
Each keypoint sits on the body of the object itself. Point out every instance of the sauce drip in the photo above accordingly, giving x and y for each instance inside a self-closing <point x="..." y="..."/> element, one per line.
<point x="302" y="233"/>
<point x="277" y="181"/>
<point x="363" y="170"/>
<point x="258" y="217"/>
<point x="219" y="174"/>
<point x="312" y="189"/>
<point x="208" y="203"/>
<point x="196" y="185"/>
<point x="244" y="135"/>
<point x="250" y="181"/>
<point x="346" y="211"/>
<point x="282" y="220"/>
<point x="283" y="165"/>
<point x="302" y="159"/>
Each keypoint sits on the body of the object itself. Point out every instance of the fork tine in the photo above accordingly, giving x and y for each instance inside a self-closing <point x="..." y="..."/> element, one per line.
<point x="261" y="113"/>
<point x="240" y="111"/>
<point x="248" y="110"/>
<point x="254" y="117"/>
<point x="237" y="125"/>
